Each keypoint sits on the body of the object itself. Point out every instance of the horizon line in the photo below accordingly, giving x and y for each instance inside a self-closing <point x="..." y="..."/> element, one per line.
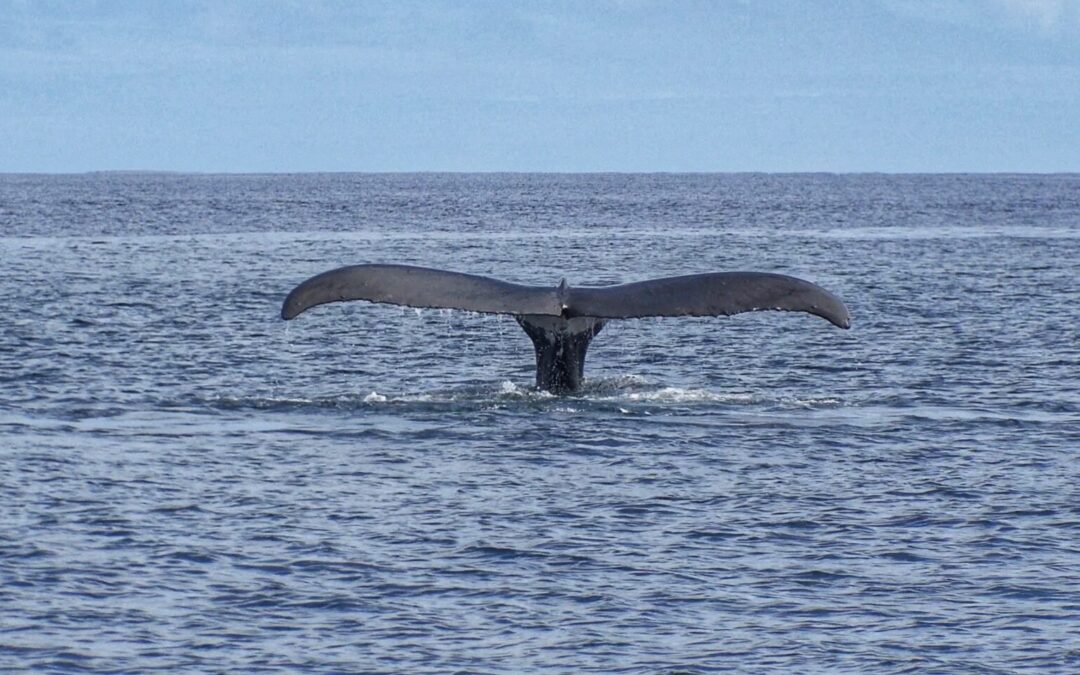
<point x="172" y="172"/>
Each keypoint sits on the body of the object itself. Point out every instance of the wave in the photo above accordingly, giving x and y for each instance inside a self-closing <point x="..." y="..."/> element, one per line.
<point x="622" y="393"/>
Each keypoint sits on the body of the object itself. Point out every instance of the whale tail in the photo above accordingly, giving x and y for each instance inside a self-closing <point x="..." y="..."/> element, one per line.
<point x="560" y="345"/>
<point x="562" y="321"/>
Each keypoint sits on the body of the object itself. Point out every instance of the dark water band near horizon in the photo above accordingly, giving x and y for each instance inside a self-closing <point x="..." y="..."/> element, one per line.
<point x="187" y="483"/>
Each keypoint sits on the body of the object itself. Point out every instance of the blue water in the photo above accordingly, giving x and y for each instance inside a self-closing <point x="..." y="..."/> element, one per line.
<point x="189" y="483"/>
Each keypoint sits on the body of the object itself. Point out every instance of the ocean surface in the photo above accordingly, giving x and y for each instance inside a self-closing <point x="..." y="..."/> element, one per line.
<point x="189" y="483"/>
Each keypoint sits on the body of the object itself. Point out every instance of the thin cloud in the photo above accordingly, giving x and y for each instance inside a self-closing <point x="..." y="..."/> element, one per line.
<point x="1048" y="15"/>
<point x="1045" y="16"/>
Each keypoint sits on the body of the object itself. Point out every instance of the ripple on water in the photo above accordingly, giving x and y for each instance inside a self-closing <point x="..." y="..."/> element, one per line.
<point x="189" y="483"/>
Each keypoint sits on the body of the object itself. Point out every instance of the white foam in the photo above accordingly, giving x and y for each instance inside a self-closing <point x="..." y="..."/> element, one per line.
<point x="508" y="389"/>
<point x="680" y="395"/>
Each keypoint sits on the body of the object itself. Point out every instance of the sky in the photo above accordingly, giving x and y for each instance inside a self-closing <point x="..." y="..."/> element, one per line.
<point x="507" y="85"/>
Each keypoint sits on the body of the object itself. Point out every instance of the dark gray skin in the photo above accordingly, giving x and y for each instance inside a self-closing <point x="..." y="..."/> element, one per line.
<point x="560" y="345"/>
<point x="562" y="321"/>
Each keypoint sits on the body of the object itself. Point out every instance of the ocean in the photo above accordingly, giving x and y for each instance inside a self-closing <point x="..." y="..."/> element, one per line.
<point x="189" y="483"/>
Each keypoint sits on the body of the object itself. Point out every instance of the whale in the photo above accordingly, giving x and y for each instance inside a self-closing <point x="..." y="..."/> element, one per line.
<point x="562" y="320"/>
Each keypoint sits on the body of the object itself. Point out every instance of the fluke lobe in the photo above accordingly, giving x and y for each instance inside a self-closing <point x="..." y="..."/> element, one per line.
<point x="560" y="320"/>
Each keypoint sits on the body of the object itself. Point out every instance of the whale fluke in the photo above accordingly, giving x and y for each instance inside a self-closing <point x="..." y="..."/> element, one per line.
<point x="561" y="320"/>
<point x="420" y="287"/>
<point x="714" y="294"/>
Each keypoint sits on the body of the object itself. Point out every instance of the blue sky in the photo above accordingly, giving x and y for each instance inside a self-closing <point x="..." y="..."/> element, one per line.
<point x="605" y="85"/>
